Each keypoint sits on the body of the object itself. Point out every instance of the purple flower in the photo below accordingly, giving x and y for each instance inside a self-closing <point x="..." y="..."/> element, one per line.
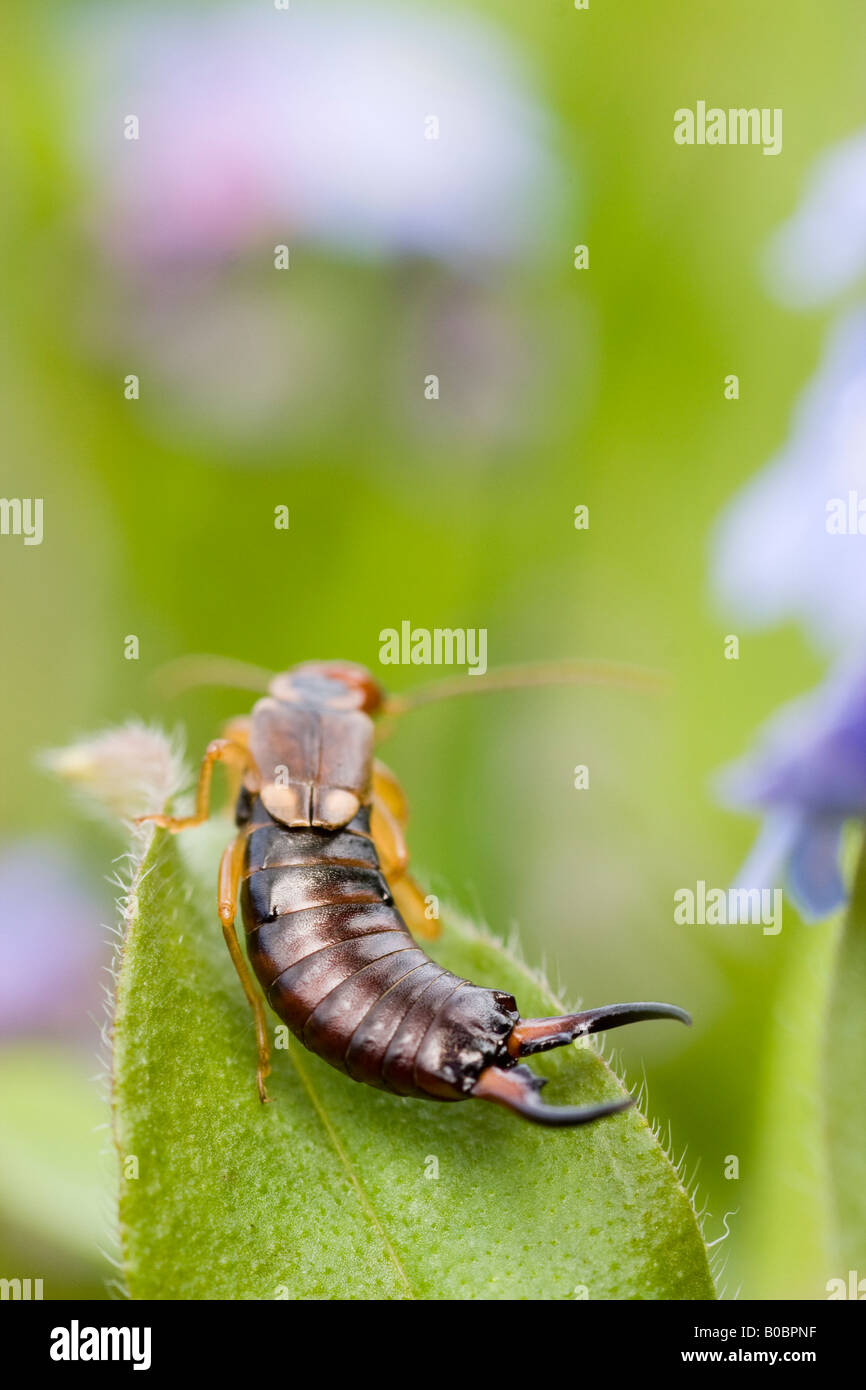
<point x="792" y="546"/>
<point x="821" y="249"/>
<point x="807" y="776"/>
<point x="52" y="949"/>
<point x="788" y="546"/>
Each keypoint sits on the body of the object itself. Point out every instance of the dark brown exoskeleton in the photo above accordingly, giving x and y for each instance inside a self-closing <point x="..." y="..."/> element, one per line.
<point x="320" y="865"/>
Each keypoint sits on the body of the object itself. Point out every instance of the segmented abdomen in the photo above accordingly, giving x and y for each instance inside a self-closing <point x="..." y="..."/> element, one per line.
<point x="340" y="968"/>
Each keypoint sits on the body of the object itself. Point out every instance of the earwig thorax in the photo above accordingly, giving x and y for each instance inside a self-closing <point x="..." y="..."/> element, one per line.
<point x="328" y="685"/>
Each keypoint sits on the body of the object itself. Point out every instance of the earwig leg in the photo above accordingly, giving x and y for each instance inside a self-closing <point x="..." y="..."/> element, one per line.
<point x="540" y="1034"/>
<point x="389" y="840"/>
<point x="231" y="866"/>
<point x="518" y="1089"/>
<point x="237" y="731"/>
<point x="221" y="750"/>
<point x="388" y="789"/>
<point x="412" y="906"/>
<point x="394" y="857"/>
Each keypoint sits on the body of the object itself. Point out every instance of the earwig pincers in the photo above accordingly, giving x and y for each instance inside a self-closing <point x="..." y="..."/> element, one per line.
<point x="320" y="867"/>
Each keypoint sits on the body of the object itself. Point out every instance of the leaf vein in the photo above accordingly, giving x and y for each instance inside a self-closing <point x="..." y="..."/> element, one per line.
<point x="352" y="1175"/>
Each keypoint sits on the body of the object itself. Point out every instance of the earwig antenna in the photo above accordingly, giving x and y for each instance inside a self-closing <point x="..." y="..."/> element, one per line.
<point x="187" y="672"/>
<point x="518" y="1089"/>
<point x="540" y="1034"/>
<point x="547" y="673"/>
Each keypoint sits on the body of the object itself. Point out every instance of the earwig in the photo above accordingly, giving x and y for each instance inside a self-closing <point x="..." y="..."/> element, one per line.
<point x="320" y="867"/>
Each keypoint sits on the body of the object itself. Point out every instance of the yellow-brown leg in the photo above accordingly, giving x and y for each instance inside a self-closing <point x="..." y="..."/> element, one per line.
<point x="388" y="789"/>
<point x="231" y="868"/>
<point x="221" y="750"/>
<point x="237" y="731"/>
<point x="413" y="907"/>
<point x="387" y="832"/>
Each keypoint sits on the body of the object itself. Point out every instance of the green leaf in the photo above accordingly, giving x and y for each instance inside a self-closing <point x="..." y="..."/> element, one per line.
<point x="340" y="1191"/>
<point x="784" y="1204"/>
<point x="845" y="1087"/>
<point x="807" y="1206"/>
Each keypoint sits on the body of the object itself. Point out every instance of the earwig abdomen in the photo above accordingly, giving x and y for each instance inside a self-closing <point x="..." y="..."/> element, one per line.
<point x="340" y="968"/>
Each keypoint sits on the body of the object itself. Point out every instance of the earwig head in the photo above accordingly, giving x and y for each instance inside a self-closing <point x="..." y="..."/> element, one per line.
<point x="336" y="685"/>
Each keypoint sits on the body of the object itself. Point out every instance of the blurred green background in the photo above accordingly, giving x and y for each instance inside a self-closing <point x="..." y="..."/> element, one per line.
<point x="159" y="527"/>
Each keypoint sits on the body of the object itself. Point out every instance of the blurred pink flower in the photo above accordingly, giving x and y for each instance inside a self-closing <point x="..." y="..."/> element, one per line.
<point x="309" y="126"/>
